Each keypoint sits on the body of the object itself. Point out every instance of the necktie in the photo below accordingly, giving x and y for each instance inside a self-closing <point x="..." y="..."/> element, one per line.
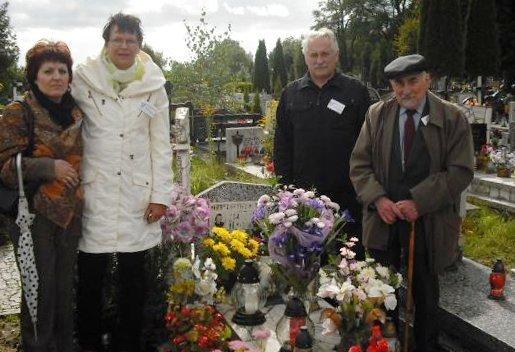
<point x="409" y="134"/>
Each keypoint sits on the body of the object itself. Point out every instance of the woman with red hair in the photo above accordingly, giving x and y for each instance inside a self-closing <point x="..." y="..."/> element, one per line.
<point x="52" y="152"/>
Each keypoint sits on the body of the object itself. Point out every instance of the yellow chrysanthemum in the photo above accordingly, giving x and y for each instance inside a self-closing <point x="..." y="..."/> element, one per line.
<point x="245" y="252"/>
<point x="228" y="263"/>
<point x="254" y="246"/>
<point x="240" y="235"/>
<point x="222" y="233"/>
<point x="208" y="242"/>
<point x="222" y="249"/>
<point x="236" y="244"/>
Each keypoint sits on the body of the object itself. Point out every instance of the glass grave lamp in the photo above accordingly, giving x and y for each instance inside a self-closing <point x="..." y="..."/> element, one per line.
<point x="497" y="281"/>
<point x="288" y="327"/>
<point x="304" y="341"/>
<point x="250" y="296"/>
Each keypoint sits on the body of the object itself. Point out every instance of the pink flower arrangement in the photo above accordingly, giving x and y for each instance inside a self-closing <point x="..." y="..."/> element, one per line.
<point x="187" y="219"/>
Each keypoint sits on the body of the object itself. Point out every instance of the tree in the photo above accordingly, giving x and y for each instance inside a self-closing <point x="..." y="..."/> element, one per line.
<point x="506" y="20"/>
<point x="300" y="64"/>
<point x="156" y="56"/>
<point x="238" y="61"/>
<point x="442" y="41"/>
<point x="246" y="101"/>
<point x="256" y="104"/>
<point x="8" y="52"/>
<point x="482" y="49"/>
<point x="366" y="62"/>
<point x="358" y="21"/>
<point x="406" y="42"/>
<point x="278" y="67"/>
<point x="292" y="49"/>
<point x="261" y="77"/>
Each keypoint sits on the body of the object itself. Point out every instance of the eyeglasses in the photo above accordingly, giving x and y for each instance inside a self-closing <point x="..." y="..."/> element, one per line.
<point x="128" y="42"/>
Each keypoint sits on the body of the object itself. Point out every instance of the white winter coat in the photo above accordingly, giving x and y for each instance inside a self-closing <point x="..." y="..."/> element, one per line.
<point x="127" y="157"/>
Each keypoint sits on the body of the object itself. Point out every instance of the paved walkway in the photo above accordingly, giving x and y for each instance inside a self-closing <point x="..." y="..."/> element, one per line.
<point x="9" y="282"/>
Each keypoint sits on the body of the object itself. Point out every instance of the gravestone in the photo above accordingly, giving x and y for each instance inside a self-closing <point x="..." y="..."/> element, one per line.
<point x="181" y="146"/>
<point x="244" y="143"/>
<point x="232" y="203"/>
<point x="479" y="135"/>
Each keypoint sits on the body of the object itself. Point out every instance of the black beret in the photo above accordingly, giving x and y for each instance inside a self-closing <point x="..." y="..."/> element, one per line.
<point x="405" y="65"/>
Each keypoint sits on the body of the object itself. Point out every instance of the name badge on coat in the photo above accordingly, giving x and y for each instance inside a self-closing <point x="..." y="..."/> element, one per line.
<point x="148" y="108"/>
<point x="336" y="106"/>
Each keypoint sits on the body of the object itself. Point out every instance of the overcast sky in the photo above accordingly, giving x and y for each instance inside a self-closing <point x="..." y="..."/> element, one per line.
<point x="79" y="22"/>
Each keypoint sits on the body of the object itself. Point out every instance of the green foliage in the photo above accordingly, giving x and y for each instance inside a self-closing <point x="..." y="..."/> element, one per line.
<point x="261" y="78"/>
<point x="156" y="56"/>
<point x="277" y="88"/>
<point x="356" y="22"/>
<point x="294" y="58"/>
<point x="246" y="101"/>
<point x="506" y="21"/>
<point x="206" y="80"/>
<point x="489" y="235"/>
<point x="482" y="49"/>
<point x="279" y="73"/>
<point x="406" y="41"/>
<point x="8" y="52"/>
<point x="256" y="104"/>
<point x="206" y="173"/>
<point x="441" y="38"/>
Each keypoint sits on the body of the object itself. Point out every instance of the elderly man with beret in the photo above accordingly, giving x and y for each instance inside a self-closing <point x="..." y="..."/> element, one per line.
<point x="412" y="160"/>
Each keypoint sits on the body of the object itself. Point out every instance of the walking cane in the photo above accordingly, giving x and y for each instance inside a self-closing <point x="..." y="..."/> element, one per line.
<point x="408" y="316"/>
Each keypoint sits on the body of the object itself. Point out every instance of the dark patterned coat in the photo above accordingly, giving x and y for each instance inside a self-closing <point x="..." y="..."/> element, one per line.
<point x="52" y="199"/>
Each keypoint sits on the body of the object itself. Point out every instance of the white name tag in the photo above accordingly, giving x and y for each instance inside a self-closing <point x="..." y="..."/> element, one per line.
<point x="148" y="108"/>
<point x="424" y="119"/>
<point x="336" y="106"/>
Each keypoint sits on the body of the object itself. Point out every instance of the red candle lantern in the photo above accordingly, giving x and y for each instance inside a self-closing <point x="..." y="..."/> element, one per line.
<point x="497" y="281"/>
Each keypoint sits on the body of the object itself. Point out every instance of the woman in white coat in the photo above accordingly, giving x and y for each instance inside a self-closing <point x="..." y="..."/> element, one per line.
<point x="126" y="175"/>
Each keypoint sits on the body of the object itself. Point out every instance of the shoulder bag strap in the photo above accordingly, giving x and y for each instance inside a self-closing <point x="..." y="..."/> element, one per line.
<point x="20" y="175"/>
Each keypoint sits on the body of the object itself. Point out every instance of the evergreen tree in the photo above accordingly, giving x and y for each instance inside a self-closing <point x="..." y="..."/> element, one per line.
<point x="442" y="41"/>
<point x="8" y="52"/>
<point x="366" y="60"/>
<point x="261" y="77"/>
<point x="278" y="66"/>
<point x="246" y="100"/>
<point x="256" y="104"/>
<point x="278" y="88"/>
<point x="506" y="20"/>
<point x="482" y="49"/>
<point x="300" y="63"/>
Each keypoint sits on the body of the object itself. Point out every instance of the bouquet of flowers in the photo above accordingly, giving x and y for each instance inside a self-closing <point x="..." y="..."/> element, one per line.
<point x="297" y="225"/>
<point x="501" y="158"/>
<point x="187" y="219"/>
<point x="361" y="288"/>
<point x="200" y="328"/>
<point x="229" y="250"/>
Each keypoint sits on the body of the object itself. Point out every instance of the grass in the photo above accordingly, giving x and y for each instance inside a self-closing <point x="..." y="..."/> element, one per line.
<point x="489" y="235"/>
<point x="9" y="333"/>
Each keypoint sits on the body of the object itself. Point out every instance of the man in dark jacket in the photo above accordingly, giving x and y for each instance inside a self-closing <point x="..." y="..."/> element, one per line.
<point x="318" y="121"/>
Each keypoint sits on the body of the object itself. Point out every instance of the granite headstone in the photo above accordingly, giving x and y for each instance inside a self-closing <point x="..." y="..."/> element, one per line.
<point x="232" y="203"/>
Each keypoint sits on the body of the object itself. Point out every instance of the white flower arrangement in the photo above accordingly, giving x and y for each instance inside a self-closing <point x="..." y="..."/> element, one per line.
<point x="359" y="287"/>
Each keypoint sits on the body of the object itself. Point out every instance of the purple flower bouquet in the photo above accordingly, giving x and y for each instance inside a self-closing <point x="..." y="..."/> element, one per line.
<point x="297" y="225"/>
<point x="187" y="220"/>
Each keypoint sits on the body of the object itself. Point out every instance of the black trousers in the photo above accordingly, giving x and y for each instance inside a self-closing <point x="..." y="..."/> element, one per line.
<point x="55" y="251"/>
<point x="426" y="291"/>
<point x="131" y="292"/>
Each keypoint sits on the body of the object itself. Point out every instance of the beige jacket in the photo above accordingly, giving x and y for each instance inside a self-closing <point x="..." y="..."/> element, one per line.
<point x="449" y="141"/>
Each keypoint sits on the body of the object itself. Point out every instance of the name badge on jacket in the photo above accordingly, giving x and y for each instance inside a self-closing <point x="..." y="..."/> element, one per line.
<point x="336" y="106"/>
<point x="148" y="108"/>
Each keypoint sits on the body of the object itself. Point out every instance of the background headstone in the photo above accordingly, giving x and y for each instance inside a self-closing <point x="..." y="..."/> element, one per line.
<point x="478" y="135"/>
<point x="250" y="141"/>
<point x="232" y="203"/>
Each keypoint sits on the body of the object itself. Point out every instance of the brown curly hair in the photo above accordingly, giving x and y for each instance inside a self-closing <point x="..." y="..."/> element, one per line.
<point x="45" y="51"/>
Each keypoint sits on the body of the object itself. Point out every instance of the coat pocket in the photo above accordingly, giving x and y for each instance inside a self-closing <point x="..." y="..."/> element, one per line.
<point x="141" y="194"/>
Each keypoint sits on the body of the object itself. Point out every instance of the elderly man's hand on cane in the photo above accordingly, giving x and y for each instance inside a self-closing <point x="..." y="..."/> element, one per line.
<point x="409" y="209"/>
